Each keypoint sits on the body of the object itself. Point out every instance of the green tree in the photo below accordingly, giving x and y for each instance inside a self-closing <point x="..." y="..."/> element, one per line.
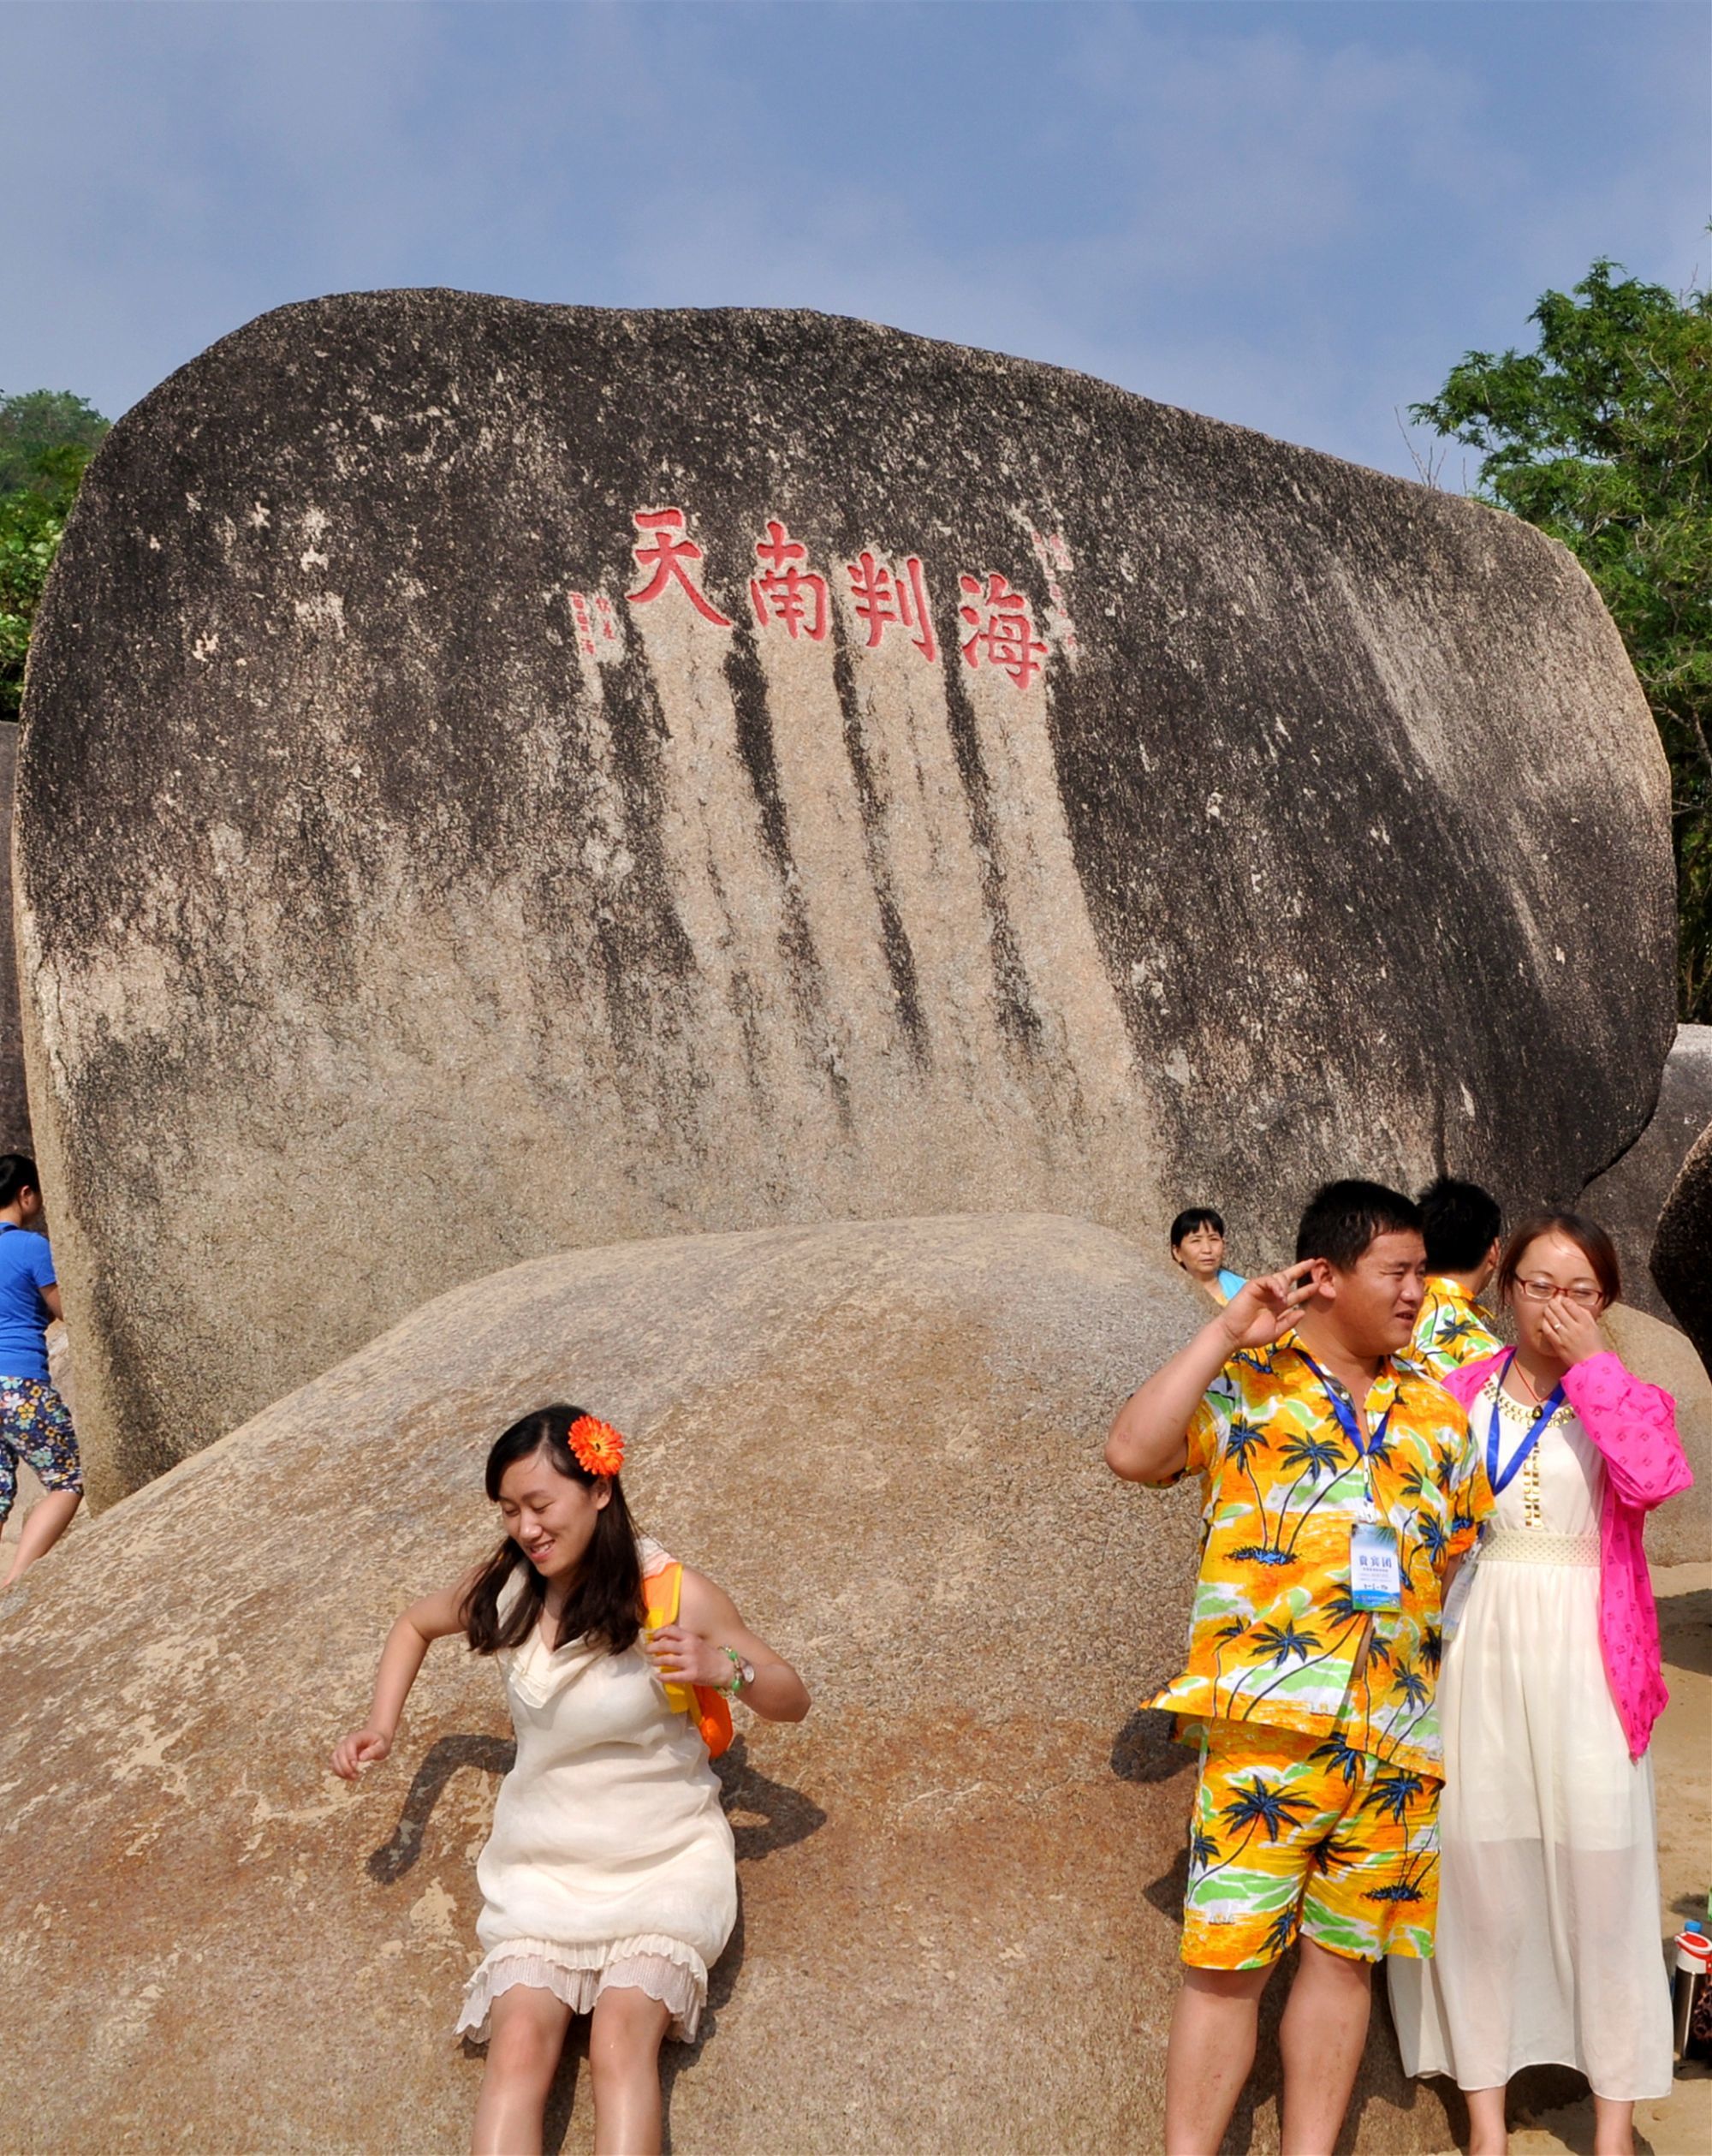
<point x="40" y="420"/>
<point x="1602" y="437"/>
<point x="46" y="437"/>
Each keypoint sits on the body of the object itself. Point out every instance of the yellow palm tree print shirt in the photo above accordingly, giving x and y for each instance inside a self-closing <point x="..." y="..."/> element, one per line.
<point x="1450" y="1330"/>
<point x="1276" y="1638"/>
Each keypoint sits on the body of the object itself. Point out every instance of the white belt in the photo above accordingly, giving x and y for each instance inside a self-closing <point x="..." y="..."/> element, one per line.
<point x="1533" y="1546"/>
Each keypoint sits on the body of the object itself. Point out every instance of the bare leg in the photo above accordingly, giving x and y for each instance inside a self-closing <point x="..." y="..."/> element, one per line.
<point x="526" y="2033"/>
<point x="1613" y="2128"/>
<point x="1322" y="2036"/>
<point x="48" y="1519"/>
<point x="1209" y="2054"/>
<point x="1487" y="2135"/>
<point x="624" y="2067"/>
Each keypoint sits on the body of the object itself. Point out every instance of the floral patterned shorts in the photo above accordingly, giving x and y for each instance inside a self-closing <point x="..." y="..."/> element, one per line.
<point x="35" y="1426"/>
<point x="1295" y="1834"/>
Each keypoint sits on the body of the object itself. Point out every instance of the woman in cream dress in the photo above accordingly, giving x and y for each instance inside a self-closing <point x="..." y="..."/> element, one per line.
<point x="609" y="1882"/>
<point x="1548" y="1948"/>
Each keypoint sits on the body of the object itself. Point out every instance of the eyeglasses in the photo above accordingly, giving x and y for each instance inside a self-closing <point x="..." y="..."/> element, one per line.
<point x="1543" y="1290"/>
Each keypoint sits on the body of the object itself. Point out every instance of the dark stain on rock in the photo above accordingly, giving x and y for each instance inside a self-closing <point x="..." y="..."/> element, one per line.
<point x="894" y="936"/>
<point x="1013" y="999"/>
<point x="646" y="958"/>
<point x="753" y="722"/>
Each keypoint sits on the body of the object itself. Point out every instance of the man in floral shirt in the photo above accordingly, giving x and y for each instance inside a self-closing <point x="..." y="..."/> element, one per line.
<point x="1464" y="1227"/>
<point x="1340" y="1488"/>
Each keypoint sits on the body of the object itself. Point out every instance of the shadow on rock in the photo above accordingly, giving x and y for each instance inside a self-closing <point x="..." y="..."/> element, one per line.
<point x="444" y="1758"/>
<point x="1145" y="1749"/>
<point x="785" y="1815"/>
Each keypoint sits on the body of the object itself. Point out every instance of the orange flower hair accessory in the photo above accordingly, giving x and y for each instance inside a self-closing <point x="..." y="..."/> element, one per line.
<point x="599" y="1448"/>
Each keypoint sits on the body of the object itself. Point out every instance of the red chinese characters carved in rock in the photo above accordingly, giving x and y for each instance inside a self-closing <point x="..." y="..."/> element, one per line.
<point x="580" y="614"/>
<point x="885" y="599"/>
<point x="1003" y="628"/>
<point x="665" y="550"/>
<point x="784" y="592"/>
<point x="1053" y="555"/>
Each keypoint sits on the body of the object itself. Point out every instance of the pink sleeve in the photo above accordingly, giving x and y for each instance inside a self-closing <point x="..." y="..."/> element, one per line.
<point x="1634" y="1425"/>
<point x="1465" y="1385"/>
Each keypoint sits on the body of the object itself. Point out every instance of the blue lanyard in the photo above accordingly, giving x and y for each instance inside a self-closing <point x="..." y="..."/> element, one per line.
<point x="1365" y="1447"/>
<point x="1503" y="1481"/>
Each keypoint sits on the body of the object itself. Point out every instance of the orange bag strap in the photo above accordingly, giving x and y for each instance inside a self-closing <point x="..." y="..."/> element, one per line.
<point x="710" y="1711"/>
<point x="660" y="1593"/>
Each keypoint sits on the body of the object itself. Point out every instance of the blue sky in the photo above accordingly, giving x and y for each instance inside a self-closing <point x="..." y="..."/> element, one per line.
<point x="1297" y="217"/>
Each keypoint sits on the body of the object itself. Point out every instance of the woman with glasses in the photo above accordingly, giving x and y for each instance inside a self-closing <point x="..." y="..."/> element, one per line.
<point x="1547" y="1943"/>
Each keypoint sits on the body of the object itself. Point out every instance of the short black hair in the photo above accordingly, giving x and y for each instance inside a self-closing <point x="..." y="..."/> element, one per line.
<point x="1343" y="1217"/>
<point x="17" y="1172"/>
<point x="1196" y="1217"/>
<point x="1461" y="1223"/>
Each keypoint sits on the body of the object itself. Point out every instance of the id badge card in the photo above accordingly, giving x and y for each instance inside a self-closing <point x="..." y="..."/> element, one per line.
<point x="1376" y="1570"/>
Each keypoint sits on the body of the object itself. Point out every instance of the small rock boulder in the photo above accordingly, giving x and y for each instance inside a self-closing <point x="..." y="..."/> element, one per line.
<point x="1682" y="1249"/>
<point x="1630" y="1196"/>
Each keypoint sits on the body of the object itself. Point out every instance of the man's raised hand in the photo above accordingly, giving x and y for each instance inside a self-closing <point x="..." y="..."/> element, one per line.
<point x="1260" y="1310"/>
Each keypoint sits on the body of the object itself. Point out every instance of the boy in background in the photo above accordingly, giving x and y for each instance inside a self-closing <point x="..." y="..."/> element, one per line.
<point x="1464" y="1228"/>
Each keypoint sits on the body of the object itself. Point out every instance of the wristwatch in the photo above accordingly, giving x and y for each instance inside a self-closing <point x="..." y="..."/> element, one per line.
<point x="742" y="1674"/>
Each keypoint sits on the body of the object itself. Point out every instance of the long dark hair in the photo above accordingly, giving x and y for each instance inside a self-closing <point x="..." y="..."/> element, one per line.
<point x="604" y="1605"/>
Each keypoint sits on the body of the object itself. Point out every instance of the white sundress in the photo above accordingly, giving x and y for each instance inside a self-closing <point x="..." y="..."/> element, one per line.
<point x="1548" y="1949"/>
<point x="611" y="1861"/>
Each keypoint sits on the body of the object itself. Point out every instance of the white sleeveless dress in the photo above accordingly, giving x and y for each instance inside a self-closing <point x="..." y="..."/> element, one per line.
<point x="611" y="1861"/>
<point x="1548" y="1950"/>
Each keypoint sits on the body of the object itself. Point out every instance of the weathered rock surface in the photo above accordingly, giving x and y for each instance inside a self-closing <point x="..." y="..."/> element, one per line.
<point x="960" y="1876"/>
<point x="1630" y="1196"/>
<point x="456" y="825"/>
<point x="14" y="1107"/>
<point x="1682" y="1249"/>
<point x="1680" y="1532"/>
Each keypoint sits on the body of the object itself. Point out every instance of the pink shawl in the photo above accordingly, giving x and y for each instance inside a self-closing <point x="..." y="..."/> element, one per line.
<point x="1634" y="1426"/>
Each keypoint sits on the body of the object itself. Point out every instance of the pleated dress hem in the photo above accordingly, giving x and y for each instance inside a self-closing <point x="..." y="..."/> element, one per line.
<point x="665" y="1968"/>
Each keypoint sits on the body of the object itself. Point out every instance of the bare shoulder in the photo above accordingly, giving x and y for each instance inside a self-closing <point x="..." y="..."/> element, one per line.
<point x="703" y="1598"/>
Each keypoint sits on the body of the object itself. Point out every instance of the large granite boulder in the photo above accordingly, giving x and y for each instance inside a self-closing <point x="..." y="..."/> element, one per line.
<point x="1682" y="1249"/>
<point x="1630" y="1196"/>
<point x="501" y="778"/>
<point x="14" y="1107"/>
<point x="960" y="1876"/>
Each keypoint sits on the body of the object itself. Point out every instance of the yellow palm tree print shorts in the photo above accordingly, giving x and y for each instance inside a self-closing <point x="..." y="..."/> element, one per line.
<point x="1297" y="1834"/>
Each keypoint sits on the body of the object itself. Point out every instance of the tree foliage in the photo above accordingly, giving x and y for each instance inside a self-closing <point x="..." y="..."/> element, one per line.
<point x="46" y="437"/>
<point x="1602" y="437"/>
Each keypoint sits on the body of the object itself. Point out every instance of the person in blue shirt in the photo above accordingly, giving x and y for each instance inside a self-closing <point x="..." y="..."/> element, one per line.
<point x="35" y="1425"/>
<point x="1198" y="1245"/>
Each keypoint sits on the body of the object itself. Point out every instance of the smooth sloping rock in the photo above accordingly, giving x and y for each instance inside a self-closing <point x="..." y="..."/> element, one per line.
<point x="14" y="1107"/>
<point x="406" y="891"/>
<point x="1680" y="1531"/>
<point x="1628" y="1199"/>
<point x="1682" y="1249"/>
<point x="960" y="1876"/>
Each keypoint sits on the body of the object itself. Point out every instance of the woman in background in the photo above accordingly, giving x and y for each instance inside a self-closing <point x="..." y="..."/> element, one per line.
<point x="1197" y="1244"/>
<point x="35" y="1425"/>
<point x="1548" y="1948"/>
